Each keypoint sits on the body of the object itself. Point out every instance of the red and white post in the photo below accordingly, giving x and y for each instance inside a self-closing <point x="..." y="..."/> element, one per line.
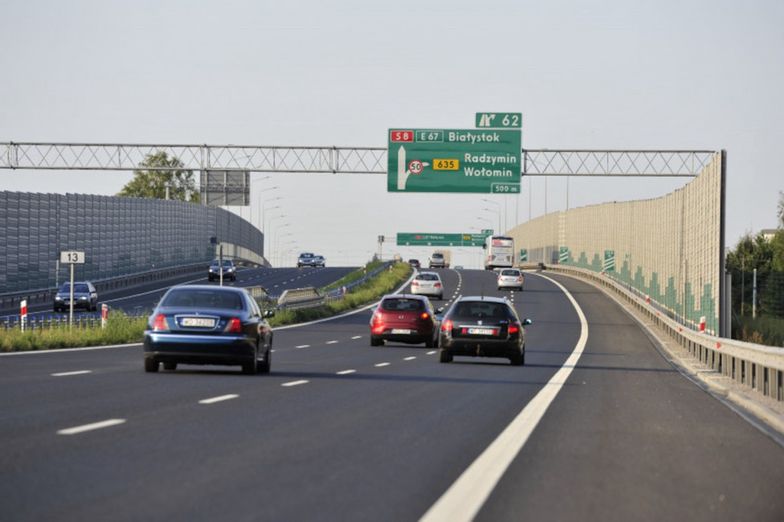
<point x="104" y="315"/>
<point x="702" y="324"/>
<point x="23" y="314"/>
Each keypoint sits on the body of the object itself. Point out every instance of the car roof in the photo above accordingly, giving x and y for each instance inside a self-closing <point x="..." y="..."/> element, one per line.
<point x="235" y="289"/>
<point x="406" y="296"/>
<point x="428" y="273"/>
<point x="485" y="298"/>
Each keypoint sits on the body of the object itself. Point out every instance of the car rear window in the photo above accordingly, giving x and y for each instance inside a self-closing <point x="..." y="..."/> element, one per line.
<point x="438" y="255"/>
<point x="427" y="277"/>
<point x="480" y="310"/>
<point x="402" y="305"/>
<point x="510" y="272"/>
<point x="194" y="298"/>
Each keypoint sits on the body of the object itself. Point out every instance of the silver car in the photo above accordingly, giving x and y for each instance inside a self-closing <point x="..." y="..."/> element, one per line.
<point x="428" y="283"/>
<point x="510" y="278"/>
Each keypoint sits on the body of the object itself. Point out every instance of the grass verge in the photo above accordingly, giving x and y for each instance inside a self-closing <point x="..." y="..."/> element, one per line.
<point x="120" y="329"/>
<point x="352" y="276"/>
<point x="368" y="292"/>
<point x="765" y="329"/>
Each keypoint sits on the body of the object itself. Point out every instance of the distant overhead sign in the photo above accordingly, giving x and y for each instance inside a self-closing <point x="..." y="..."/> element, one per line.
<point x="225" y="187"/>
<point x="453" y="240"/>
<point x="454" y="160"/>
<point x="499" y="120"/>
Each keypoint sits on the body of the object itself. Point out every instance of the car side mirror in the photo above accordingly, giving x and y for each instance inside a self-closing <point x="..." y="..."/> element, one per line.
<point x="268" y="313"/>
<point x="526" y="322"/>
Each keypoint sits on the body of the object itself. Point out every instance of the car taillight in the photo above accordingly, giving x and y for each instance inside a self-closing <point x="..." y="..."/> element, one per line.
<point x="377" y="324"/>
<point x="414" y="283"/>
<point x="514" y="328"/>
<point x="233" y="326"/>
<point x="437" y="285"/>
<point x="446" y="326"/>
<point x="159" y="323"/>
<point x="425" y="315"/>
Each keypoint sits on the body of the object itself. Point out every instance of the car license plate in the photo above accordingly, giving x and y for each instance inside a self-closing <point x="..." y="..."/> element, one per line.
<point x="481" y="331"/>
<point x="199" y="322"/>
<point x="399" y="331"/>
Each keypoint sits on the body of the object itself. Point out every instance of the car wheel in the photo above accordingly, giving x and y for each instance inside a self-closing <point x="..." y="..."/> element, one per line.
<point x="444" y="356"/>
<point x="430" y="343"/>
<point x="150" y="365"/>
<point x="264" y="367"/>
<point x="376" y="341"/>
<point x="516" y="359"/>
<point x="250" y="368"/>
<point x="170" y="366"/>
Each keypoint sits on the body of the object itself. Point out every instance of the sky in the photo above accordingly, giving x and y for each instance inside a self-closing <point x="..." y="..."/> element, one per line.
<point x="584" y="74"/>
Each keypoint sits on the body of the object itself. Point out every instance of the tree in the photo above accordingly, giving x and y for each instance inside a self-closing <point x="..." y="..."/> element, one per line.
<point x="153" y="183"/>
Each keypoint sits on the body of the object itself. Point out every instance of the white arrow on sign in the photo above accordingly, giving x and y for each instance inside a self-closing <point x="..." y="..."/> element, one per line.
<point x="403" y="172"/>
<point x="486" y="120"/>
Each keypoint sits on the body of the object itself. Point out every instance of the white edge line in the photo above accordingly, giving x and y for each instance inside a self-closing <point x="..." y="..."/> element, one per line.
<point x="61" y="350"/>
<point x="294" y="383"/>
<point x="89" y="427"/>
<point x="68" y="374"/>
<point x="464" y="498"/>
<point x="219" y="398"/>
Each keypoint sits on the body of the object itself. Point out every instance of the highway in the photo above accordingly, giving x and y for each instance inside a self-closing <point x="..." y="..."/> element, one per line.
<point x="343" y="431"/>
<point x="142" y="298"/>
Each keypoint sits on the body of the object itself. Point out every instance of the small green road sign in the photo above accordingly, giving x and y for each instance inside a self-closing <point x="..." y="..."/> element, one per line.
<point x="609" y="261"/>
<point x="499" y="120"/>
<point x="454" y="160"/>
<point x="523" y="255"/>
<point x="487" y="231"/>
<point x="453" y="240"/>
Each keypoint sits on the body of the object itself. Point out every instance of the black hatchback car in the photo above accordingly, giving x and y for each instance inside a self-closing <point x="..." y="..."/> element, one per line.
<point x="229" y="270"/>
<point x="483" y="327"/>
<point x="203" y="324"/>
<point x="84" y="296"/>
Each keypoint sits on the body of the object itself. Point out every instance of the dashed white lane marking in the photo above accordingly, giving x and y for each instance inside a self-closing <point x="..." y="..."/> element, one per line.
<point x="332" y="342"/>
<point x="272" y="351"/>
<point x="346" y="372"/>
<point x="68" y="374"/>
<point x="381" y="365"/>
<point x="357" y="337"/>
<point x="302" y="346"/>
<point x="464" y="498"/>
<point x="409" y="358"/>
<point x="90" y="427"/>
<point x="431" y="352"/>
<point x="219" y="398"/>
<point x="294" y="383"/>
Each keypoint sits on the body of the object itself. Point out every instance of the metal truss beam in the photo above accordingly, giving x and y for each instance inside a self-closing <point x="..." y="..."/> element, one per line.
<point x="616" y="163"/>
<point x="340" y="160"/>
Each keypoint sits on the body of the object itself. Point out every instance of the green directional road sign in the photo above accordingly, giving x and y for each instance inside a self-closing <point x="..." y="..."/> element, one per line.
<point x="454" y="160"/>
<point x="454" y="240"/>
<point x="498" y="120"/>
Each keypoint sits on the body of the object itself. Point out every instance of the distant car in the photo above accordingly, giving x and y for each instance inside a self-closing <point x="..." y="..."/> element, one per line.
<point x="229" y="270"/>
<point x="428" y="283"/>
<point x="404" y="318"/>
<point x="85" y="296"/>
<point x="319" y="261"/>
<point x="201" y="324"/>
<point x="458" y="267"/>
<point x="437" y="260"/>
<point x="306" y="259"/>
<point x="414" y="263"/>
<point x="482" y="327"/>
<point x="510" y="278"/>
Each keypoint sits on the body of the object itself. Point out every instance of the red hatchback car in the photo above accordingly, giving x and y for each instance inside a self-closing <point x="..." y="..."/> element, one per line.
<point x="404" y="318"/>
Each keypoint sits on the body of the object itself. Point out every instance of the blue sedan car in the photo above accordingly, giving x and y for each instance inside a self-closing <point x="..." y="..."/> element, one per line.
<point x="202" y="324"/>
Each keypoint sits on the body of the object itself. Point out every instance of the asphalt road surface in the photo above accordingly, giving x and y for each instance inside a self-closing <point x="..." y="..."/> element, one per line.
<point x="343" y="431"/>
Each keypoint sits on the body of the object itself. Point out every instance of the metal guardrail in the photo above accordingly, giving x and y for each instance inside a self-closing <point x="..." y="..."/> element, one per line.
<point x="300" y="298"/>
<point x="757" y="367"/>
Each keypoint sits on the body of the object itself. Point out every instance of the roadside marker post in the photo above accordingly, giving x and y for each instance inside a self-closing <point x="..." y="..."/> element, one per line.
<point x="71" y="257"/>
<point x="104" y="315"/>
<point x="23" y="314"/>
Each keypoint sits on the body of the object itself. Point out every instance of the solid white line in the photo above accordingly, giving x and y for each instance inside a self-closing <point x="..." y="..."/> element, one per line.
<point x="67" y="374"/>
<point x="464" y="498"/>
<point x="346" y="372"/>
<point x="61" y="350"/>
<point x="332" y="342"/>
<point x="302" y="346"/>
<point x="432" y="352"/>
<point x="219" y="398"/>
<point x="381" y="365"/>
<point x="294" y="383"/>
<point x="357" y="337"/>
<point x="89" y="427"/>
<point x="409" y="358"/>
